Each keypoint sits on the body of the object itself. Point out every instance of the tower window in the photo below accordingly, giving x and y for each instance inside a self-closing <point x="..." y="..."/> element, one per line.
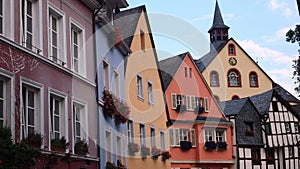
<point x="231" y="49"/>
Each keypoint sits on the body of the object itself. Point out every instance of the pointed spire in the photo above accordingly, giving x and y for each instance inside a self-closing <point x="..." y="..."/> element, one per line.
<point x="218" y="20"/>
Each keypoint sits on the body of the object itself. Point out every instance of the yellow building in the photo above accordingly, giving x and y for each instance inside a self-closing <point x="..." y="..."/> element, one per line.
<point x="227" y="68"/>
<point x="144" y="94"/>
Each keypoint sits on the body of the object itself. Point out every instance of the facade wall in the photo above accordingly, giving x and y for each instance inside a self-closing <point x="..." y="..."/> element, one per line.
<point x="151" y="115"/>
<point x="244" y="65"/>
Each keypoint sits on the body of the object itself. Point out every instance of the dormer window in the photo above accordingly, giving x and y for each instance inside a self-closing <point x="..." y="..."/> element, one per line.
<point x="231" y="49"/>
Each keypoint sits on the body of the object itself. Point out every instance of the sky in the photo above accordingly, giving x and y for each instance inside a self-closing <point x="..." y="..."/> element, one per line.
<point x="259" y="26"/>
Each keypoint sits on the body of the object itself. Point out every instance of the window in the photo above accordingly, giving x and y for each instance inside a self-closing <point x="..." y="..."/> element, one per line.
<point x="142" y="135"/>
<point x="30" y="112"/>
<point x="139" y="83"/>
<point x="142" y="36"/>
<point x="217" y="98"/>
<point x="291" y="151"/>
<point x="150" y="93"/>
<point x="28" y="23"/>
<point x="270" y="156"/>
<point x="234" y="78"/>
<point x="191" y="73"/>
<point x="255" y="155"/>
<point x="130" y="131"/>
<point x="185" y="72"/>
<point x="108" y="146"/>
<point x="1" y="17"/>
<point x="177" y="100"/>
<point x="198" y="101"/>
<point x="231" y="49"/>
<point x="189" y="104"/>
<point x="249" y="128"/>
<point x="58" y="115"/>
<point x="119" y="147"/>
<point x="162" y="141"/>
<point x="5" y="100"/>
<point x="152" y="137"/>
<point x="177" y="135"/>
<point x="208" y="135"/>
<point x="253" y="79"/>
<point x="275" y="106"/>
<point x="268" y="128"/>
<point x="287" y="127"/>
<point x="79" y="122"/>
<point x="220" y="135"/>
<point x="116" y="83"/>
<point x="105" y="74"/>
<point x="174" y="101"/>
<point x="180" y="100"/>
<point x="214" y="79"/>
<point x="56" y="35"/>
<point x="206" y="105"/>
<point x="296" y="127"/>
<point x="235" y="97"/>
<point x="6" y="18"/>
<point x="77" y="49"/>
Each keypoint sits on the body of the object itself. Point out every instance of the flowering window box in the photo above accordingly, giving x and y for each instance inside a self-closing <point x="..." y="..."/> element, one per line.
<point x="185" y="145"/>
<point x="210" y="145"/>
<point x="249" y="132"/>
<point x="221" y="145"/>
<point x="165" y="155"/>
<point x="145" y="151"/>
<point x="256" y="161"/>
<point x="270" y="160"/>
<point x="133" y="148"/>
<point x="155" y="152"/>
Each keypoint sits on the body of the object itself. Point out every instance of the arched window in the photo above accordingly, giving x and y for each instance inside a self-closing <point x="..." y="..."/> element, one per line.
<point x="217" y="98"/>
<point x="214" y="79"/>
<point x="231" y="49"/>
<point x="234" y="78"/>
<point x="253" y="80"/>
<point x="235" y="97"/>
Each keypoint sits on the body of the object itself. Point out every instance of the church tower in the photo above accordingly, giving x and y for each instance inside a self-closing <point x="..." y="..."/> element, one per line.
<point x="219" y="31"/>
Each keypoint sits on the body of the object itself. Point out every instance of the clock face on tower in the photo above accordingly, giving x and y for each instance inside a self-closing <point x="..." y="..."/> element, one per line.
<point x="232" y="61"/>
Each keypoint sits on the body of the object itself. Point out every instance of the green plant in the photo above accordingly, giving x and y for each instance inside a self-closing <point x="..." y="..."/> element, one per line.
<point x="110" y="165"/>
<point x="133" y="148"/>
<point x="34" y="140"/>
<point x="108" y="107"/>
<point x="145" y="151"/>
<point x="81" y="147"/>
<point x="155" y="152"/>
<point x="59" y="143"/>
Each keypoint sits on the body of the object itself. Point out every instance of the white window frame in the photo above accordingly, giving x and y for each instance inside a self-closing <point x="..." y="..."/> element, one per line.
<point x="177" y="135"/>
<point x="82" y="107"/>
<point x="116" y="83"/>
<point x="193" y="137"/>
<point x="150" y="93"/>
<point x="37" y="89"/>
<point x="139" y="86"/>
<point x="106" y="74"/>
<point x="162" y="140"/>
<point x="118" y="147"/>
<point x="81" y="50"/>
<point x="180" y="100"/>
<point x="190" y="103"/>
<point x="108" y="145"/>
<point x="8" y="14"/>
<point x="174" y="100"/>
<point x="287" y="127"/>
<point x="222" y="137"/>
<point x="142" y="129"/>
<point x="209" y="133"/>
<point x="206" y="104"/>
<point x="152" y="137"/>
<point x="130" y="131"/>
<point x="8" y="99"/>
<point x="63" y="122"/>
<point x="54" y="12"/>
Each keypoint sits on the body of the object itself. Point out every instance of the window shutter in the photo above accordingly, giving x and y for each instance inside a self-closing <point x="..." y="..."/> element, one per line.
<point x="192" y="137"/>
<point x="206" y="104"/>
<point x="171" y="133"/>
<point x="193" y="102"/>
<point x="174" y="101"/>
<point x="177" y="137"/>
<point x="188" y="102"/>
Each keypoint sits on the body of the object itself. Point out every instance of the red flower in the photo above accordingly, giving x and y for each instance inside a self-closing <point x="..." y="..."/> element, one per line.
<point x="0" y="162"/>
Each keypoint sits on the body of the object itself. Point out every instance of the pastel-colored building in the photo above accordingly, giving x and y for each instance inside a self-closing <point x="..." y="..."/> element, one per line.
<point x="266" y="129"/>
<point x="230" y="72"/>
<point x="47" y="76"/>
<point x="200" y="135"/>
<point x="111" y="57"/>
<point x="147" y="128"/>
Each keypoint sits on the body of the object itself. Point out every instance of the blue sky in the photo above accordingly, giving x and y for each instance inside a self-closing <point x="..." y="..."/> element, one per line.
<point x="259" y="26"/>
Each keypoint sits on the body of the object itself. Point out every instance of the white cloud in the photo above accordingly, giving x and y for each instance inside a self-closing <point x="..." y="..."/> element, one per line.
<point x="280" y="5"/>
<point x="202" y="18"/>
<point x="279" y="35"/>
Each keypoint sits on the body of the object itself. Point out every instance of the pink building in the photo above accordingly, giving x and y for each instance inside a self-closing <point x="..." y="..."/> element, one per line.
<point x="47" y="76"/>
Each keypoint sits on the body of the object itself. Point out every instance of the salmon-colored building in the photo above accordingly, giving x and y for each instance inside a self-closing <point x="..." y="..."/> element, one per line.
<point x="200" y="135"/>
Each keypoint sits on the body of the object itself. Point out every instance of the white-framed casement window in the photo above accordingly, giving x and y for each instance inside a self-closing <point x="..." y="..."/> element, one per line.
<point x="130" y="131"/>
<point x="116" y="83"/>
<point x="7" y="13"/>
<point x="173" y="101"/>
<point x="150" y="93"/>
<point x="142" y="135"/>
<point x="77" y="48"/>
<point x="220" y="135"/>
<point x="119" y="147"/>
<point x="105" y="74"/>
<point x="162" y="141"/>
<point x="79" y="121"/>
<point x="6" y="99"/>
<point x="287" y="127"/>
<point x="190" y="103"/>
<point x="108" y="145"/>
<point x="31" y="116"/>
<point x="56" y="33"/>
<point x="152" y="137"/>
<point x="177" y="135"/>
<point x="58" y="114"/>
<point x="206" y="104"/>
<point x="208" y="135"/>
<point x="28" y="23"/>
<point x="139" y="86"/>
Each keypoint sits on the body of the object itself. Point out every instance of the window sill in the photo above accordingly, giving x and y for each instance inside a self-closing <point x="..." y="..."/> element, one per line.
<point x="140" y="98"/>
<point x="151" y="103"/>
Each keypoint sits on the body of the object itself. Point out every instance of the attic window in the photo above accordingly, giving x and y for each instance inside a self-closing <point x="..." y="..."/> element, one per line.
<point x="142" y="36"/>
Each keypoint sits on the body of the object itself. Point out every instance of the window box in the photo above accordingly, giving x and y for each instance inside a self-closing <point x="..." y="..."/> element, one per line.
<point x="249" y="132"/>
<point x="35" y="140"/>
<point x="145" y="151"/>
<point x="210" y="145"/>
<point x="133" y="148"/>
<point x="165" y="155"/>
<point x="81" y="148"/>
<point x="121" y="115"/>
<point x="108" y="104"/>
<point x="270" y="160"/>
<point x="110" y="165"/>
<point x="199" y="110"/>
<point x="181" y="108"/>
<point x="185" y="145"/>
<point x="59" y="144"/>
<point x="155" y="152"/>
<point x="256" y="161"/>
<point x="221" y="145"/>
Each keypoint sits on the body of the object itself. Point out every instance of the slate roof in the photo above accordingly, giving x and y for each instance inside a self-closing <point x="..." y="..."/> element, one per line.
<point x="168" y="67"/>
<point x="218" y="20"/>
<point x="205" y="60"/>
<point x="127" y="20"/>
<point x="233" y="107"/>
<point x="262" y="101"/>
